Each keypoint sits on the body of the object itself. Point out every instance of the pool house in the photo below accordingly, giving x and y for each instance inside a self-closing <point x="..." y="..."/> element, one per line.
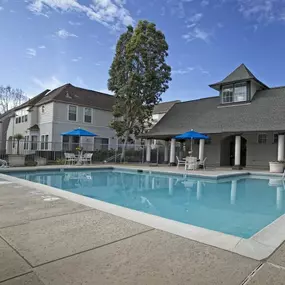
<point x="245" y="123"/>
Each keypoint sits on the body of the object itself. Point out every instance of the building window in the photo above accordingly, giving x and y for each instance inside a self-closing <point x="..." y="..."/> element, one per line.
<point x="87" y="115"/>
<point x="46" y="142"/>
<point x="275" y="138"/>
<point x="72" y="113"/>
<point x="17" y="120"/>
<point x="262" y="138"/>
<point x="34" y="144"/>
<point x="23" y="119"/>
<point x="234" y="93"/>
<point x="42" y="142"/>
<point x="26" y="118"/>
<point x="43" y="108"/>
<point x="26" y="142"/>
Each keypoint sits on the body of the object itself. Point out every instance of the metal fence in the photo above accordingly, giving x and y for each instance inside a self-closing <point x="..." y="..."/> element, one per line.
<point x="54" y="152"/>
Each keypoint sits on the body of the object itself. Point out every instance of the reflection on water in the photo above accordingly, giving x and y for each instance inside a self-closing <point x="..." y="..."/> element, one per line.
<point x="240" y="207"/>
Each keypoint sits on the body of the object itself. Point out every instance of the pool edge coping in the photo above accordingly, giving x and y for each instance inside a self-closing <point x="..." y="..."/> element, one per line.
<point x="259" y="246"/>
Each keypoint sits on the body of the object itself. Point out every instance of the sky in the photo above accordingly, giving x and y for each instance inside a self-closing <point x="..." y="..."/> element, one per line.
<point x="48" y="43"/>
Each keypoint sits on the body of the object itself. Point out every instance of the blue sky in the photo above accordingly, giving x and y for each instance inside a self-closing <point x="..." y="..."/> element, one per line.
<point x="47" y="43"/>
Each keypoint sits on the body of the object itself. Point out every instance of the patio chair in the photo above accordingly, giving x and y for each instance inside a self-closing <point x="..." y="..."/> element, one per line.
<point x="179" y="162"/>
<point x="202" y="164"/>
<point x="87" y="157"/>
<point x="69" y="158"/>
<point x="3" y="163"/>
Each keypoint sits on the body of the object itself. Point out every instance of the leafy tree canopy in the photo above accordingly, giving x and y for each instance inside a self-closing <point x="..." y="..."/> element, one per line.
<point x="139" y="76"/>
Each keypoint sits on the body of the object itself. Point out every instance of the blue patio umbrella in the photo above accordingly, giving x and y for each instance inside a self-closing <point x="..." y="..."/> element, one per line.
<point x="79" y="133"/>
<point x="192" y="135"/>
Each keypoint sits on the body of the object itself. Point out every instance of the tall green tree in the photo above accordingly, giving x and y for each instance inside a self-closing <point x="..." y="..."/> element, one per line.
<point x="139" y="76"/>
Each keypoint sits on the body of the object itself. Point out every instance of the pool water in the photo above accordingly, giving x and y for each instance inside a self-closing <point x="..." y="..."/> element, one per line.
<point x="239" y="206"/>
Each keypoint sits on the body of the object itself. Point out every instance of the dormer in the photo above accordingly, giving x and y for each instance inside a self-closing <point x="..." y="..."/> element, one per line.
<point x="238" y="87"/>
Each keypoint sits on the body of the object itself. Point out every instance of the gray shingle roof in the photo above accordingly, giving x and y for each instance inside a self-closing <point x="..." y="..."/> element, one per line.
<point x="242" y="73"/>
<point x="164" y="107"/>
<point x="79" y="96"/>
<point x="266" y="112"/>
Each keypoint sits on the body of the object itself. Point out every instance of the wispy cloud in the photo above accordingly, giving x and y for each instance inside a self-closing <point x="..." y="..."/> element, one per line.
<point x="76" y="59"/>
<point x="63" y="34"/>
<point x="110" y="13"/>
<point x="261" y="11"/>
<point x="187" y="70"/>
<point x="1" y="8"/>
<point x="205" y="3"/>
<point x="197" y="34"/>
<point x="74" y="23"/>
<point x="31" y="52"/>
<point x="79" y="81"/>
<point x="42" y="47"/>
<point x="48" y="83"/>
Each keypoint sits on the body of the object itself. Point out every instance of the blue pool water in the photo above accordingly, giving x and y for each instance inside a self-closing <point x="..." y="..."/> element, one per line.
<point x="239" y="206"/>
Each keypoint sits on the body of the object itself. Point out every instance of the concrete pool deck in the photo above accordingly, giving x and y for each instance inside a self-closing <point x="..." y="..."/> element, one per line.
<point x="46" y="239"/>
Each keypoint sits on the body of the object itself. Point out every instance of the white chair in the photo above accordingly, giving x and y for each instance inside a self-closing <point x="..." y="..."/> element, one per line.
<point x="179" y="162"/>
<point x="69" y="158"/>
<point x="3" y="163"/>
<point x="87" y="157"/>
<point x="191" y="163"/>
<point x="203" y="163"/>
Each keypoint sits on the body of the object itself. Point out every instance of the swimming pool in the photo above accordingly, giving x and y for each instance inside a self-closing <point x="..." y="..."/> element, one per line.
<point x="239" y="206"/>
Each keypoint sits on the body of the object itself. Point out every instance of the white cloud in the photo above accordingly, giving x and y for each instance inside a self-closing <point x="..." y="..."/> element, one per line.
<point x="49" y="83"/>
<point x="204" y="3"/>
<point x="79" y="81"/>
<point x="30" y="52"/>
<point x="197" y="33"/>
<point x="110" y="13"/>
<point x="42" y="47"/>
<point x="65" y="34"/>
<point x="74" y="23"/>
<point x="1" y="8"/>
<point x="76" y="59"/>
<point x="182" y="71"/>
<point x="262" y="11"/>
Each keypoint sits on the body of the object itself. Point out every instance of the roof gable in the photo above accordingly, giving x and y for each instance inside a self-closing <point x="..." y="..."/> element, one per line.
<point x="241" y="73"/>
<point x="78" y="96"/>
<point x="164" y="107"/>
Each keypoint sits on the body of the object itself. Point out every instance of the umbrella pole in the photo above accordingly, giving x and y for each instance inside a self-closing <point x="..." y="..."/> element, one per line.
<point x="191" y="147"/>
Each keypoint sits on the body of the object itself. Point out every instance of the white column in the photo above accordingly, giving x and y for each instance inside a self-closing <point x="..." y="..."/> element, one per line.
<point x="201" y="149"/>
<point x="280" y="155"/>
<point x="233" y="192"/>
<point x="237" y="150"/>
<point x="148" y="150"/>
<point x="153" y="183"/>
<point x="199" y="190"/>
<point x="166" y="152"/>
<point x="279" y="197"/>
<point x="172" y="151"/>
<point x="170" y="186"/>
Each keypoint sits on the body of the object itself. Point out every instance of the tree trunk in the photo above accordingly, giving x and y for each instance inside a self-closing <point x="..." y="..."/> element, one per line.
<point x="123" y="154"/>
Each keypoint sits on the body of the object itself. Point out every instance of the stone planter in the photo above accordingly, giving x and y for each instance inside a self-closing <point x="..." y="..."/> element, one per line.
<point x="276" y="167"/>
<point x="16" y="160"/>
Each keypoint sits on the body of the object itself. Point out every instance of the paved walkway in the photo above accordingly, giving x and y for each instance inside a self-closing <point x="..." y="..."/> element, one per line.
<point x="49" y="240"/>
